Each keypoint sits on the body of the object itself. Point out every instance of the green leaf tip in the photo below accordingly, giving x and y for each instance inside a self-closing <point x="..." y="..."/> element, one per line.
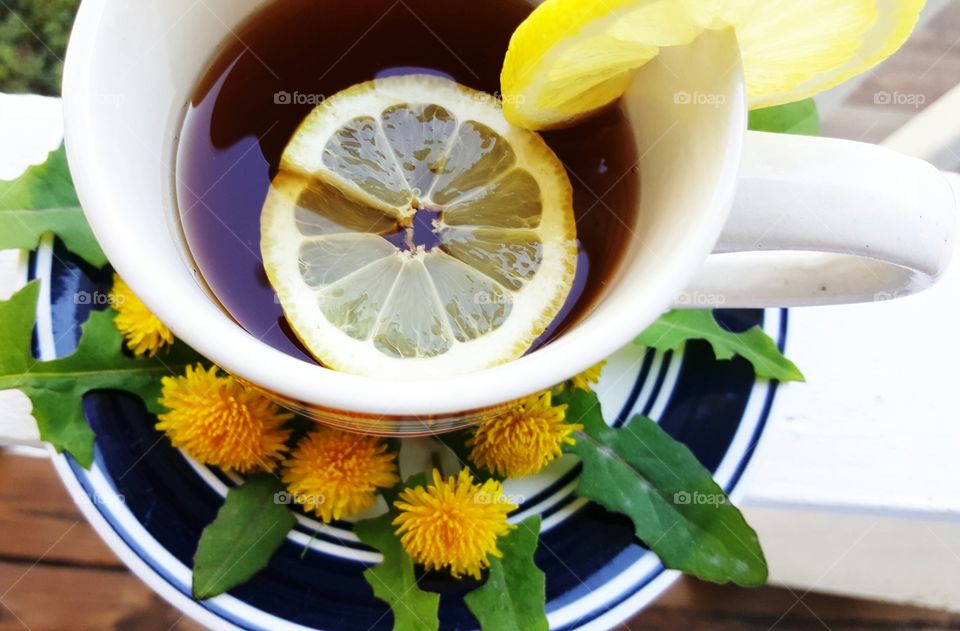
<point x="676" y="327"/>
<point x="799" y="117"/>
<point x="43" y="200"/>
<point x="248" y="529"/>
<point x="56" y="388"/>
<point x="394" y="579"/>
<point x="514" y="596"/>
<point x="675" y="506"/>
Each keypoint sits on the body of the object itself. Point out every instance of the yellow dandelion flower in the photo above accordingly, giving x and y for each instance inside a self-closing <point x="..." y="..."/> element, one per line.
<point x="523" y="439"/>
<point x="221" y="422"/>
<point x="453" y="523"/>
<point x="335" y="474"/>
<point x="588" y="378"/>
<point x="142" y="332"/>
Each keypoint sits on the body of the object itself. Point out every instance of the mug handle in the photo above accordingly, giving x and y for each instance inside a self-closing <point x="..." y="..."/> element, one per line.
<point x="819" y="221"/>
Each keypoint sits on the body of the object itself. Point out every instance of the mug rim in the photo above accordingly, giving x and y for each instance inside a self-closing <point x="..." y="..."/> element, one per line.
<point x="240" y="353"/>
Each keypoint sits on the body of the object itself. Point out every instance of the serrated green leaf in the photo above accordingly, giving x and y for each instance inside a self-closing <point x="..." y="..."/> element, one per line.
<point x="674" y="328"/>
<point x="43" y="200"/>
<point x="514" y="595"/>
<point x="393" y="580"/>
<point x="46" y="185"/>
<point x="56" y="388"/>
<point x="676" y="507"/>
<point x="799" y="117"/>
<point x="247" y="530"/>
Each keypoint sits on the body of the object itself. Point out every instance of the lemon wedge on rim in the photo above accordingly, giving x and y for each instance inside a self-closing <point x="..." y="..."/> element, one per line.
<point x="571" y="57"/>
<point x="411" y="232"/>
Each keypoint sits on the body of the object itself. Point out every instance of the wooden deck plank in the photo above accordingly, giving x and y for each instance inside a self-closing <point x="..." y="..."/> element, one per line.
<point x="927" y="66"/>
<point x="38" y="519"/>
<point x="59" y="597"/>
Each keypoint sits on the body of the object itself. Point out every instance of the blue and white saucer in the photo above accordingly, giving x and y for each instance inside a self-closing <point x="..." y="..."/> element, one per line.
<point x="150" y="502"/>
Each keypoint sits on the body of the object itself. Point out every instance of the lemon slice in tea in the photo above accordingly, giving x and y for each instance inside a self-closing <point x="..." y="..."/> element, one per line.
<point x="412" y="232"/>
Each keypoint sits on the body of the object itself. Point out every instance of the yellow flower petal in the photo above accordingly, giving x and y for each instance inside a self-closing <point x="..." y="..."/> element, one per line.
<point x="336" y="474"/>
<point x="142" y="332"/>
<point x="453" y="523"/>
<point x="524" y="439"/>
<point x="221" y="422"/>
<point x="588" y="378"/>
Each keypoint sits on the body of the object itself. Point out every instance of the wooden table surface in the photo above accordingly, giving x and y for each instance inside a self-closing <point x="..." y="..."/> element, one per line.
<point x="56" y="574"/>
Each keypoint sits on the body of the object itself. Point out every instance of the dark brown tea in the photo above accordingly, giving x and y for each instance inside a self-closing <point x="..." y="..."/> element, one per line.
<point x="294" y="53"/>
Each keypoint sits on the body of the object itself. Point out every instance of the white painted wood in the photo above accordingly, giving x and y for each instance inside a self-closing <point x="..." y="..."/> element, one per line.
<point x="933" y="134"/>
<point x="30" y="128"/>
<point x="17" y="426"/>
<point x="881" y="556"/>
<point x="12" y="271"/>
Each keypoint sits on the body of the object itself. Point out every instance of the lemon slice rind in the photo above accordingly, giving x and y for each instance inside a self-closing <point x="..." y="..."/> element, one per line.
<point x="532" y="308"/>
<point x="570" y="58"/>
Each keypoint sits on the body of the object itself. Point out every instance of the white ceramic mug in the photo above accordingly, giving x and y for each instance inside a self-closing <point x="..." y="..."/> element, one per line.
<point x="727" y="217"/>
